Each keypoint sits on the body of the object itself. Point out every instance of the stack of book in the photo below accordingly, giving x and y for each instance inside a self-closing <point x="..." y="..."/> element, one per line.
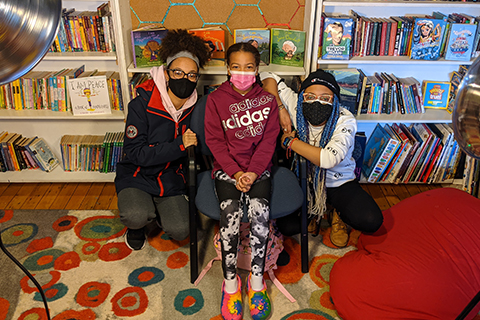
<point x="137" y="79"/>
<point x="48" y="90"/>
<point x="426" y="153"/>
<point x="454" y="36"/>
<point x="81" y="31"/>
<point x="91" y="152"/>
<point x="471" y="176"/>
<point x="19" y="153"/>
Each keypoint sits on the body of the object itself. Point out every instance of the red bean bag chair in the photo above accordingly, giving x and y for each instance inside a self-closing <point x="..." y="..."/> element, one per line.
<point x="423" y="263"/>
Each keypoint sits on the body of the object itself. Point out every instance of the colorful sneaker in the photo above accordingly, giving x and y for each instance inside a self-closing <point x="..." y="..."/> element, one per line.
<point x="259" y="301"/>
<point x="231" y="306"/>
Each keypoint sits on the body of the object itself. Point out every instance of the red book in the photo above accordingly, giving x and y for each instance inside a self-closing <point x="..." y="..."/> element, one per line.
<point x="432" y="163"/>
<point x="393" y="34"/>
<point x="368" y="38"/>
<point x="384" y="37"/>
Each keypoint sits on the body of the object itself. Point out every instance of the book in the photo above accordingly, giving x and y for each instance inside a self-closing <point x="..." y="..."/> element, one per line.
<point x="337" y="37"/>
<point x="348" y="80"/>
<point x="436" y="94"/>
<point x="89" y="95"/>
<point x="287" y="47"/>
<point x="215" y="40"/>
<point x="461" y="41"/>
<point x="43" y="154"/>
<point x="146" y="42"/>
<point x="386" y="152"/>
<point x="374" y="148"/>
<point x="427" y="38"/>
<point x="259" y="38"/>
<point x="359" y="152"/>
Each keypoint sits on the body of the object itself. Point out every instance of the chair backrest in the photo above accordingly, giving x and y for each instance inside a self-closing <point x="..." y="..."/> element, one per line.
<point x="197" y="125"/>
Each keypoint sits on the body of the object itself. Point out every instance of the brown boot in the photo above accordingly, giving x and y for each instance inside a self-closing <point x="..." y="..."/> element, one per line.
<point x="339" y="233"/>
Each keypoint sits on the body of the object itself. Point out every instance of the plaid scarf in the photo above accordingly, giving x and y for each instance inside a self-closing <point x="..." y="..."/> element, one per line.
<point x="316" y="189"/>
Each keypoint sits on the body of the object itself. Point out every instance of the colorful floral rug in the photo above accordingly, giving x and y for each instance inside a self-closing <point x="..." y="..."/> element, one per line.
<point x="87" y="272"/>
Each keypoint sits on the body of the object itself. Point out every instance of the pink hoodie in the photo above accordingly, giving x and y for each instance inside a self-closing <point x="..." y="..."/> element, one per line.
<point x="241" y="131"/>
<point x="158" y="77"/>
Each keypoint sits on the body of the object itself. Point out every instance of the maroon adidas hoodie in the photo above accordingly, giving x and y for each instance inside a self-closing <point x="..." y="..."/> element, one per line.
<point x="241" y="131"/>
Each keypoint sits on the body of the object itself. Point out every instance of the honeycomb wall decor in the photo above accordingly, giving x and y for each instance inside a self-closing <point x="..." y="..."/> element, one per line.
<point x="228" y="14"/>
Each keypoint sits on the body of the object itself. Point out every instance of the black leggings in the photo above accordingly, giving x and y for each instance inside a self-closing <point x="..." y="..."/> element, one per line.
<point x="354" y="205"/>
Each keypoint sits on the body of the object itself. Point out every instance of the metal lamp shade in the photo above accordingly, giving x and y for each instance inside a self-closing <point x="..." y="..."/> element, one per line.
<point x="27" y="30"/>
<point x="466" y="113"/>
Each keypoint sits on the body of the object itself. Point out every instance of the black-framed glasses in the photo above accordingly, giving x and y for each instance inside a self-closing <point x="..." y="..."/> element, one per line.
<point x="180" y="74"/>
<point x="311" y="97"/>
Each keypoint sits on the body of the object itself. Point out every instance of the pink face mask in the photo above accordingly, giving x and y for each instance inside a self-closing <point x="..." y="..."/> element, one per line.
<point x="242" y="80"/>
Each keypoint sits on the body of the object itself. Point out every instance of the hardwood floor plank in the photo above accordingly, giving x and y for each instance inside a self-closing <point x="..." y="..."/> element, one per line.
<point x="114" y="203"/>
<point x="77" y="196"/>
<point x="105" y="197"/>
<point x="64" y="196"/>
<point x="401" y="191"/>
<point x="92" y="196"/>
<point x="423" y="187"/>
<point x="22" y="195"/>
<point x="9" y="194"/>
<point x="50" y="195"/>
<point x="378" y="196"/>
<point x="412" y="189"/>
<point x="35" y="197"/>
<point x="390" y="194"/>
<point x="3" y="187"/>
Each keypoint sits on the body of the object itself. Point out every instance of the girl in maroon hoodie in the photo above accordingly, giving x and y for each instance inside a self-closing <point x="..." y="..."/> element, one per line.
<point x="241" y="127"/>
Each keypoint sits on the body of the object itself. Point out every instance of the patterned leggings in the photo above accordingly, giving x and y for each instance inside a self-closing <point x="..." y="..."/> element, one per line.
<point x="232" y="202"/>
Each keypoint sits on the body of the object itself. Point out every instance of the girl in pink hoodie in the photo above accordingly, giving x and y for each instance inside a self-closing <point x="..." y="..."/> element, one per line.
<point x="241" y="128"/>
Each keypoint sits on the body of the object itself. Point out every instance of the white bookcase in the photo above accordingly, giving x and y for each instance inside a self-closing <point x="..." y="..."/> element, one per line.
<point x="53" y="125"/>
<point x="400" y="66"/>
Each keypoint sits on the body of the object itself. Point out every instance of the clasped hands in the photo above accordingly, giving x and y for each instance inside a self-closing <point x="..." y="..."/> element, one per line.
<point x="189" y="138"/>
<point x="244" y="180"/>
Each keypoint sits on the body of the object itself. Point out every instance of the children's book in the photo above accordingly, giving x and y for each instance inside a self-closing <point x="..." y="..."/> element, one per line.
<point x="376" y="143"/>
<point x="259" y="38"/>
<point x="146" y="43"/>
<point x="287" y="47"/>
<point x="89" y="95"/>
<point x="436" y="94"/>
<point x="427" y="38"/>
<point x="215" y="40"/>
<point x="43" y="154"/>
<point x="460" y="44"/>
<point x="337" y="38"/>
<point x="348" y="80"/>
<point x="359" y="152"/>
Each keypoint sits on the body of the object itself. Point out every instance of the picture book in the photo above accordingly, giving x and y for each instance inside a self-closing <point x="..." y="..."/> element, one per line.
<point x="89" y="95"/>
<point x="348" y="80"/>
<point x="215" y="40"/>
<point x="43" y="154"/>
<point x="427" y="38"/>
<point x="287" y="47"/>
<point x="376" y="143"/>
<point x="460" y="44"/>
<point x="259" y="38"/>
<point x="146" y="43"/>
<point x="337" y="38"/>
<point x="436" y="94"/>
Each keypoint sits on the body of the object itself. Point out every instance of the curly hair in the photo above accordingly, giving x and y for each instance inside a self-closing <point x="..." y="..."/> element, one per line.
<point x="182" y="40"/>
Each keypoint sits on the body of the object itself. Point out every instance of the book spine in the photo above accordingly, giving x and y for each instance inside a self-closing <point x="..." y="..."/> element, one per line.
<point x="373" y="38"/>
<point x="396" y="51"/>
<point x="383" y="161"/>
<point x="383" y="38"/>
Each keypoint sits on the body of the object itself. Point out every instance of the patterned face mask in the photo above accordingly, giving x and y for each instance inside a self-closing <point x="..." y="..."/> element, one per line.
<point x="317" y="112"/>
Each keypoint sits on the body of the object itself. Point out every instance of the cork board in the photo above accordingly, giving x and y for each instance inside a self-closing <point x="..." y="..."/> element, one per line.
<point x="227" y="14"/>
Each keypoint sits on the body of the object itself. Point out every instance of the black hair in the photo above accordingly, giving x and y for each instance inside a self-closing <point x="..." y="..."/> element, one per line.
<point x="245" y="47"/>
<point x="178" y="40"/>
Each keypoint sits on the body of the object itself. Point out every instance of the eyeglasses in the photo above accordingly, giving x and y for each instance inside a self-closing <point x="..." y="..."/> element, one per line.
<point x="311" y="97"/>
<point x="180" y="74"/>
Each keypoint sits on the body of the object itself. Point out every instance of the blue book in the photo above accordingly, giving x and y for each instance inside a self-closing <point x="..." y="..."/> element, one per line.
<point x="259" y="38"/>
<point x="427" y="38"/>
<point x="337" y="38"/>
<point x="461" y="41"/>
<point x="436" y="94"/>
<point x="374" y="148"/>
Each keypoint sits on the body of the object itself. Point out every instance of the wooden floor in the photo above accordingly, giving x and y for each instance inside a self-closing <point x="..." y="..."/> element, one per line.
<point x="101" y="196"/>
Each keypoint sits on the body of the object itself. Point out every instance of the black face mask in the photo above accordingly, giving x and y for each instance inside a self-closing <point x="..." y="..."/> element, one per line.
<point x="182" y="88"/>
<point x="316" y="112"/>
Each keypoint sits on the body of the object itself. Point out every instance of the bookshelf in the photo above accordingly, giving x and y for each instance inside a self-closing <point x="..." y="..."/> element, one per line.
<point x="401" y="66"/>
<point x="52" y="125"/>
